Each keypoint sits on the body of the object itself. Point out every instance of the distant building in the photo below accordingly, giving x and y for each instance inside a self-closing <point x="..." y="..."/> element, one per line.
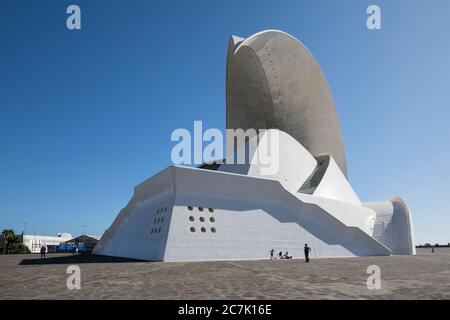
<point x="84" y="243"/>
<point x="35" y="242"/>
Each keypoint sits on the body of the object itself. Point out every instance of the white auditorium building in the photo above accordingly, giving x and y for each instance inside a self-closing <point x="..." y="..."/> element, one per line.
<point x="226" y="211"/>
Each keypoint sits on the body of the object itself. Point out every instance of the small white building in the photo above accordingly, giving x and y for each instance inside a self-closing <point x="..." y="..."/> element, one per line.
<point x="35" y="242"/>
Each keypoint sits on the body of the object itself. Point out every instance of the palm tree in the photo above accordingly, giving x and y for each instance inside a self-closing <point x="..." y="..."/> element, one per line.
<point x="10" y="235"/>
<point x="10" y="238"/>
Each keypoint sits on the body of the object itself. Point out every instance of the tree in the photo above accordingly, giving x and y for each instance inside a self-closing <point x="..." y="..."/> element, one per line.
<point x="11" y="242"/>
<point x="10" y="236"/>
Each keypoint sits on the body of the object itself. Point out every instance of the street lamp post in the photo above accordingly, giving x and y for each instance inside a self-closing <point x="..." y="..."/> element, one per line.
<point x="84" y="235"/>
<point x="23" y="236"/>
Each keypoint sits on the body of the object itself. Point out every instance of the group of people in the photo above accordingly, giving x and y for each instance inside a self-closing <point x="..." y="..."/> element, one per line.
<point x="44" y="251"/>
<point x="280" y="255"/>
<point x="306" y="250"/>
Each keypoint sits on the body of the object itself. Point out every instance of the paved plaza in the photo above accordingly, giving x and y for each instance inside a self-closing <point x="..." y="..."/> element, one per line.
<point x="424" y="276"/>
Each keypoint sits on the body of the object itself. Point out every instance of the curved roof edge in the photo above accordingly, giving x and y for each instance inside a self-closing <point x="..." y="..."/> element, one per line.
<point x="297" y="100"/>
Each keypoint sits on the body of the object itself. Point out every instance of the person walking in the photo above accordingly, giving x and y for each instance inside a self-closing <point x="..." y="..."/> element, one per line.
<point x="307" y="251"/>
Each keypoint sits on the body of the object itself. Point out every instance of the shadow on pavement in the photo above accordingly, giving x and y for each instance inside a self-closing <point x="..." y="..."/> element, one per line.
<point x="76" y="259"/>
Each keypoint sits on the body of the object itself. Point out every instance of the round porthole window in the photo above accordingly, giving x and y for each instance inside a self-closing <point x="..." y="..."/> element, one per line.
<point x="200" y="209"/>
<point x="159" y="229"/>
<point x="203" y="229"/>
<point x="190" y="208"/>
<point x="191" y="218"/>
<point x="210" y="209"/>
<point x="192" y="229"/>
<point x="155" y="221"/>
<point x="212" y="219"/>
<point x="162" y="219"/>
<point x="213" y="230"/>
<point x="202" y="219"/>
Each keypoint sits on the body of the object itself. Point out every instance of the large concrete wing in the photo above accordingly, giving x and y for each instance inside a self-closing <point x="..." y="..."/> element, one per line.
<point x="273" y="81"/>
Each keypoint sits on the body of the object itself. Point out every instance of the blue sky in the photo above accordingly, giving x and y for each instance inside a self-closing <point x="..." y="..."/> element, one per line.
<point x="86" y="115"/>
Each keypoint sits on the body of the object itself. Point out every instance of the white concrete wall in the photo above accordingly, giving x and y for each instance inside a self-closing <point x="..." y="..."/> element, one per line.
<point x="140" y="230"/>
<point x="252" y="215"/>
<point x="334" y="185"/>
<point x="35" y="242"/>
<point x="288" y="161"/>
<point x="393" y="225"/>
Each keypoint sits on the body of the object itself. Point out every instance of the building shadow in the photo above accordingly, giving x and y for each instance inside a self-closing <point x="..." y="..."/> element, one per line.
<point x="75" y="259"/>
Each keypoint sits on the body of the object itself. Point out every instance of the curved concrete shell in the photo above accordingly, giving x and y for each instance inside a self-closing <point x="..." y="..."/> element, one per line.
<point x="273" y="81"/>
<point x="393" y="225"/>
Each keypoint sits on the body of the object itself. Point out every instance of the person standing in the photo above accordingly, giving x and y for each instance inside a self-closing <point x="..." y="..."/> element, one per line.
<point x="307" y="251"/>
<point x="271" y="253"/>
<point x="43" y="251"/>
